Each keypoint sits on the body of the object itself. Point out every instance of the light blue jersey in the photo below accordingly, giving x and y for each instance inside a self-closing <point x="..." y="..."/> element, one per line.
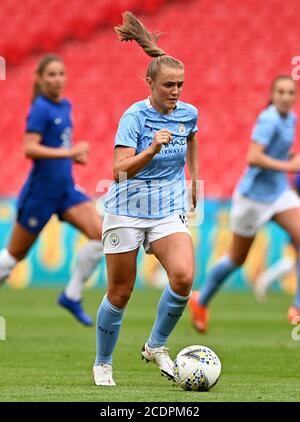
<point x="277" y="134"/>
<point x="159" y="189"/>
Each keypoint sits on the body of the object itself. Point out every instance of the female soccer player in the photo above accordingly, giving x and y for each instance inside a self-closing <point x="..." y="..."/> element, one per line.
<point x="50" y="188"/>
<point x="262" y="194"/>
<point x="146" y="204"/>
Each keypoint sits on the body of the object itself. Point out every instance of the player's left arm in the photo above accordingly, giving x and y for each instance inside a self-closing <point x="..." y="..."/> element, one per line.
<point x="192" y="164"/>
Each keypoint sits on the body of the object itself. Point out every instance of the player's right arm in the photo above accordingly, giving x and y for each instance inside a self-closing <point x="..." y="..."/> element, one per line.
<point x="125" y="160"/>
<point x="258" y="157"/>
<point x="35" y="150"/>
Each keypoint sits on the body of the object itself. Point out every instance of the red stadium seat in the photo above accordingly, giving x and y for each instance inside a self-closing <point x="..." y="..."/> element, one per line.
<point x="231" y="51"/>
<point x="54" y="23"/>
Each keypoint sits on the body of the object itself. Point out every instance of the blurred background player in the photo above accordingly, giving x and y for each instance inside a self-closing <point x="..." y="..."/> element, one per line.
<point x="50" y="188"/>
<point x="155" y="137"/>
<point x="262" y="194"/>
<point x="278" y="269"/>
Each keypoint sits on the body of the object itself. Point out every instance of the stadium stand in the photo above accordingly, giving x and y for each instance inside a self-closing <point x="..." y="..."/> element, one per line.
<point x="228" y="74"/>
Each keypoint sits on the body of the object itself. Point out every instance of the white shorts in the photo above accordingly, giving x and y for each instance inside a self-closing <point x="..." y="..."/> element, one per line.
<point x="124" y="234"/>
<point x="248" y="216"/>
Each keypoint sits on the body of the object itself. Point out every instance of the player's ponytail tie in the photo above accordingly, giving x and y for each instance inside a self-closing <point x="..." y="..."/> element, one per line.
<point x="160" y="56"/>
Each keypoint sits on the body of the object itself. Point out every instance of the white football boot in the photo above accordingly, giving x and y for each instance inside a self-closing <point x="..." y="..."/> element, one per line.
<point x="159" y="356"/>
<point x="103" y="374"/>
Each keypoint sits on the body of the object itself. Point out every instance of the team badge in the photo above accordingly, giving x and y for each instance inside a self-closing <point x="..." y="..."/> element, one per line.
<point x="114" y="239"/>
<point x="58" y="120"/>
<point x="181" y="129"/>
<point x="33" y="222"/>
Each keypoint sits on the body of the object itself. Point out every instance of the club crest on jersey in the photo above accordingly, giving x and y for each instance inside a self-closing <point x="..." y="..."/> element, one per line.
<point x="58" y="120"/>
<point x="33" y="222"/>
<point x="181" y="129"/>
<point x="114" y="239"/>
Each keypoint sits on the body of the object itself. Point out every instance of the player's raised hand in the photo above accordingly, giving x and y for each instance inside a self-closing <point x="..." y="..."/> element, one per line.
<point x="161" y="138"/>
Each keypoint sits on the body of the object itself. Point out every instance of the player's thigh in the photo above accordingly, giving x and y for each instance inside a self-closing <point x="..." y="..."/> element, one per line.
<point x="33" y="214"/>
<point x="121" y="274"/>
<point x="84" y="217"/>
<point x="289" y="220"/>
<point x="20" y="242"/>
<point x="176" y="254"/>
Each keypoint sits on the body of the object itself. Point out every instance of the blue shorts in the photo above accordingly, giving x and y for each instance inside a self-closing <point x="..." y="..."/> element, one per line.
<point x="34" y="211"/>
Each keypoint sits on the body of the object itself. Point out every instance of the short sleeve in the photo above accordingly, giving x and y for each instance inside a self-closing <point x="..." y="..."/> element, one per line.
<point x="193" y="128"/>
<point x="128" y="131"/>
<point x="37" y="119"/>
<point x="195" y="123"/>
<point x="264" y="130"/>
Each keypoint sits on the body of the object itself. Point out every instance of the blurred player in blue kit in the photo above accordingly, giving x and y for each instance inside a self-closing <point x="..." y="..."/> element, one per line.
<point x="147" y="203"/>
<point x="280" y="268"/>
<point x="262" y="194"/>
<point x="50" y="188"/>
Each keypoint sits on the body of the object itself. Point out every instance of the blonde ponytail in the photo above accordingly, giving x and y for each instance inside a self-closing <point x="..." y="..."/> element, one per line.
<point x="133" y="29"/>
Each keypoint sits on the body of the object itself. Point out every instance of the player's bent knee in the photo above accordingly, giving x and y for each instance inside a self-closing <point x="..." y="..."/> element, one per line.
<point x="296" y="243"/>
<point x="120" y="298"/>
<point x="18" y="255"/>
<point x="239" y="260"/>
<point x="181" y="282"/>
<point x="93" y="234"/>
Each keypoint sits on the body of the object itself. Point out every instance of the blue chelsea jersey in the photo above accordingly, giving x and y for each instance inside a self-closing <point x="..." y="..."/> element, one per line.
<point x="158" y="189"/>
<point x="276" y="133"/>
<point x="53" y="122"/>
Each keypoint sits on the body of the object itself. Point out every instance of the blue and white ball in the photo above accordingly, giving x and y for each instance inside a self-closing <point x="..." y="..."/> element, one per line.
<point x="197" y="368"/>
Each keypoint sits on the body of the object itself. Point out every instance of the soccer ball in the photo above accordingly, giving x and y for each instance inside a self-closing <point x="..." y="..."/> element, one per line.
<point x="197" y="368"/>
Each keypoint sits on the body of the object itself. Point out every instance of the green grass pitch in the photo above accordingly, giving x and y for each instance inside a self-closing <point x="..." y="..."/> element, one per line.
<point x="48" y="356"/>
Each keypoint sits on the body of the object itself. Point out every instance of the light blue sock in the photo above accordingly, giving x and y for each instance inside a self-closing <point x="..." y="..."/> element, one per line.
<point x="109" y="319"/>
<point x="215" y="278"/>
<point x="297" y="296"/>
<point x="170" y="308"/>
